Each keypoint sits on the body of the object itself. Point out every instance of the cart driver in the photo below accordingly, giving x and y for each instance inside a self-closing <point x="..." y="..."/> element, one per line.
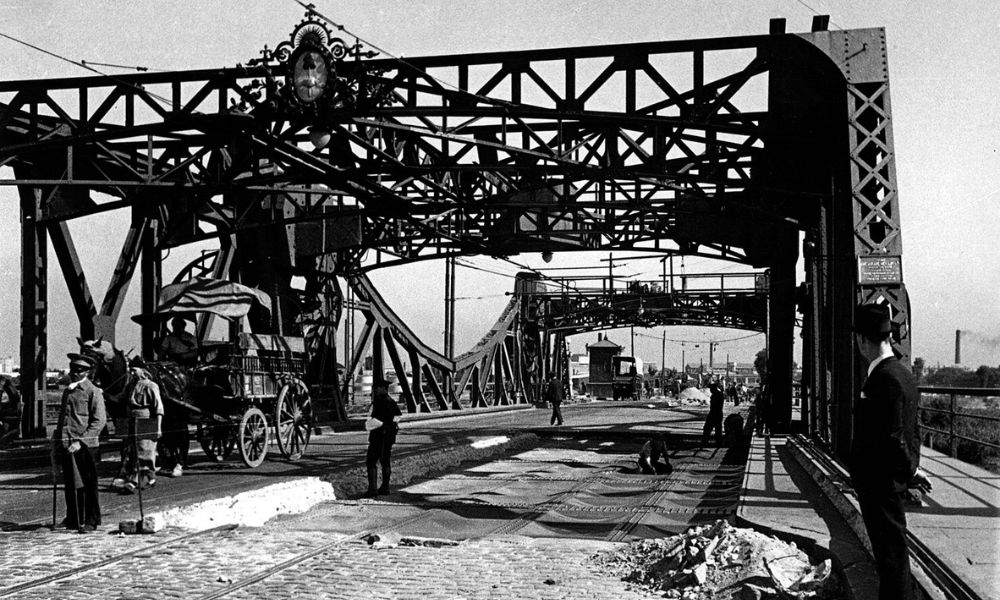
<point x="179" y="346"/>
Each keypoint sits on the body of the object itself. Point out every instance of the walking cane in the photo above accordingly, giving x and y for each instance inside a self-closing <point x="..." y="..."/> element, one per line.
<point x="55" y="485"/>
<point x="135" y="450"/>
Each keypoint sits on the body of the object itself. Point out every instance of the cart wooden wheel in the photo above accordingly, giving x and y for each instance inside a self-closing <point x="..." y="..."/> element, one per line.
<point x="293" y="418"/>
<point x="216" y="440"/>
<point x="253" y="437"/>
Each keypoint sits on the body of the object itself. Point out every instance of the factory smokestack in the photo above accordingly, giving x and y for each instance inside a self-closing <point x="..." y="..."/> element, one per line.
<point x="958" y="346"/>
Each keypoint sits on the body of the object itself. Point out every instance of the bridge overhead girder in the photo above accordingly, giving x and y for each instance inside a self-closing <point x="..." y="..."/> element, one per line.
<point x="578" y="312"/>
<point x="559" y="149"/>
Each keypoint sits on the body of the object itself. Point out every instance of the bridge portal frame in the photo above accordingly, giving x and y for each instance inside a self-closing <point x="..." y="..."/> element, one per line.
<point x="168" y="169"/>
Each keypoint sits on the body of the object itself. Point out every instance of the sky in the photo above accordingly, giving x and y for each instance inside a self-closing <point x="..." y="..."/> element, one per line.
<point x="944" y="73"/>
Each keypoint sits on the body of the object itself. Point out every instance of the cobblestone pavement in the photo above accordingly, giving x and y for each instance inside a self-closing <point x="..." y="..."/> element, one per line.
<point x="25" y="495"/>
<point x="564" y="498"/>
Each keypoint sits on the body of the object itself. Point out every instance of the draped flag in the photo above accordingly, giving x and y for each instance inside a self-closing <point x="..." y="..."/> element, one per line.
<point x="216" y="296"/>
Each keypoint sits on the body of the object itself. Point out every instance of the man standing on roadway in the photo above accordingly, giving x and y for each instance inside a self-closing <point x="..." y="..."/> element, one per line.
<point x="74" y="445"/>
<point x="714" y="418"/>
<point x="554" y="395"/>
<point x="382" y="429"/>
<point x="179" y="347"/>
<point x="885" y="450"/>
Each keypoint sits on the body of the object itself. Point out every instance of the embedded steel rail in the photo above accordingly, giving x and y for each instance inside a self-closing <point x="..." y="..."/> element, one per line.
<point x="946" y="580"/>
<point x="35" y="583"/>
<point x="300" y="558"/>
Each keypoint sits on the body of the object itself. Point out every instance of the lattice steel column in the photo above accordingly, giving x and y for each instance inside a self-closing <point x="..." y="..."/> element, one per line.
<point x="877" y="240"/>
<point x="861" y="56"/>
<point x="864" y="255"/>
<point x="34" y="310"/>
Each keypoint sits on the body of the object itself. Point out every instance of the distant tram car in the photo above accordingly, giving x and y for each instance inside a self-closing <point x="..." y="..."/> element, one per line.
<point x="626" y="382"/>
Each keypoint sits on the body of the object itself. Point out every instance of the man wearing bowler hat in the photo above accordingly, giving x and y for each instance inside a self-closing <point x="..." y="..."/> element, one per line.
<point x="885" y="450"/>
<point x="81" y="419"/>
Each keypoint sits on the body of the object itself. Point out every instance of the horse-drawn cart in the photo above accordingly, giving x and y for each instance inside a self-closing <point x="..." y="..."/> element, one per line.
<point x="248" y="390"/>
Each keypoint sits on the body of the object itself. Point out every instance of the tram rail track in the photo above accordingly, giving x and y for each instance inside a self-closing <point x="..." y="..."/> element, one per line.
<point x="41" y="581"/>
<point x="308" y="555"/>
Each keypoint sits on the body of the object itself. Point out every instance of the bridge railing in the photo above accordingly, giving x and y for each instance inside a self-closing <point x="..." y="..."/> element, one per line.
<point x="967" y="433"/>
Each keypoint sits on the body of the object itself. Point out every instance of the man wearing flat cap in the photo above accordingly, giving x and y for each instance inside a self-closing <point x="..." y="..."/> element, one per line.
<point x="179" y="346"/>
<point x="382" y="429"/>
<point x="885" y="450"/>
<point x="74" y="443"/>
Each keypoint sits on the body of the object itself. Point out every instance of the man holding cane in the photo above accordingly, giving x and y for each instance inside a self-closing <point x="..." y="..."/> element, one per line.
<point x="74" y="444"/>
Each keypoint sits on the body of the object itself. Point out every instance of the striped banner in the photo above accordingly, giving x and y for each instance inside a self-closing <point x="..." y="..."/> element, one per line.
<point x="216" y="296"/>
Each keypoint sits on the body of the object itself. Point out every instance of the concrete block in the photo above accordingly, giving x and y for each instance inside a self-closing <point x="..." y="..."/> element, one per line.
<point x="152" y="524"/>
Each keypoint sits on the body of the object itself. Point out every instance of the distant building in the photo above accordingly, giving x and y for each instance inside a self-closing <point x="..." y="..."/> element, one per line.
<point x="746" y="374"/>
<point x="600" y="374"/>
<point x="8" y="366"/>
<point x="579" y="372"/>
<point x="733" y="372"/>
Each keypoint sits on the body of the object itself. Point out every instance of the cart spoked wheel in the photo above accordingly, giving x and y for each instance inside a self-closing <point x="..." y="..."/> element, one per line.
<point x="253" y="437"/>
<point x="293" y="419"/>
<point x="216" y="440"/>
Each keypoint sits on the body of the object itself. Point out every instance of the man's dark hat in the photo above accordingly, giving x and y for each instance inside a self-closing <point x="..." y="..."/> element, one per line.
<point x="872" y="320"/>
<point x="137" y="361"/>
<point x="80" y="360"/>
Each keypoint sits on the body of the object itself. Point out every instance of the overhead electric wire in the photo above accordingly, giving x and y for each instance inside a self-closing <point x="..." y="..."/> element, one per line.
<point x="817" y="13"/>
<point x="84" y="65"/>
<point x="726" y="341"/>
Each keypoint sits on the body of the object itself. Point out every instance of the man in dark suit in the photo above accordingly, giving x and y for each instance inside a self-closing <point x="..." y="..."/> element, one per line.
<point x="554" y="395"/>
<point x="885" y="453"/>
<point x="714" y="419"/>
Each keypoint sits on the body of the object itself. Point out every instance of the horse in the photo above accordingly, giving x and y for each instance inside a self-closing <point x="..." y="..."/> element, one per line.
<point x="11" y="410"/>
<point x="113" y="376"/>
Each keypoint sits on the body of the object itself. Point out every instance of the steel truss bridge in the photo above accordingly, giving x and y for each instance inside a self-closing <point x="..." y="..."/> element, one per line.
<point x="315" y="152"/>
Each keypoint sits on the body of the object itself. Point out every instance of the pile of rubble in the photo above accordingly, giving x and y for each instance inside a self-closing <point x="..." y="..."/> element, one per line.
<point x="722" y="562"/>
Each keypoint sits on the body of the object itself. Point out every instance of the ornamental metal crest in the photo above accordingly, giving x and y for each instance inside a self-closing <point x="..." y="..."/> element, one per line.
<point x="306" y="74"/>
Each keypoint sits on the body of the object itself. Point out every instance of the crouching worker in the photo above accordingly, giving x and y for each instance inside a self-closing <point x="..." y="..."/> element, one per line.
<point x="733" y="427"/>
<point x="649" y="458"/>
<point x="382" y="428"/>
<point x="145" y="424"/>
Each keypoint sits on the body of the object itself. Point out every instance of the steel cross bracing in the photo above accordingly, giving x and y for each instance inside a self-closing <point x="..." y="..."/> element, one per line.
<point x="556" y="148"/>
<point x="590" y="310"/>
<point x="574" y="304"/>
<point x="724" y="147"/>
<point x="488" y="370"/>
